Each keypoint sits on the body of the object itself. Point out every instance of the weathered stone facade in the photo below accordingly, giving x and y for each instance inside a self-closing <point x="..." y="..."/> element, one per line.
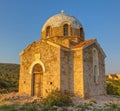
<point x="62" y="60"/>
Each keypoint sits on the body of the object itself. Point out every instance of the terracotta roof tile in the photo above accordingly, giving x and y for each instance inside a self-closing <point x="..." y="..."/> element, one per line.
<point x="83" y="43"/>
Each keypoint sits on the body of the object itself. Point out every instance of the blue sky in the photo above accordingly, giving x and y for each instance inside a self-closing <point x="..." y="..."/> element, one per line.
<point x="21" y="22"/>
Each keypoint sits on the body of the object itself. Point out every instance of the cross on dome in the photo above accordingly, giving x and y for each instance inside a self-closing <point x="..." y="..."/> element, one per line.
<point x="62" y="11"/>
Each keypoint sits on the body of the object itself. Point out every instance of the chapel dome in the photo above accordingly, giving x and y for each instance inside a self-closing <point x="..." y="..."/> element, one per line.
<point x="58" y="19"/>
<point x="62" y="25"/>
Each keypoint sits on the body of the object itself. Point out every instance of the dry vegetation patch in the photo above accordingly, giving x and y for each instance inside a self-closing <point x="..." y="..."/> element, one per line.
<point x="23" y="102"/>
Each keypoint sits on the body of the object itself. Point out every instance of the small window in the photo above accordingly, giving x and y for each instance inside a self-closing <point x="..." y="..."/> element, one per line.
<point x="48" y="31"/>
<point x="81" y="32"/>
<point x="95" y="73"/>
<point x="65" y="30"/>
<point x="95" y="65"/>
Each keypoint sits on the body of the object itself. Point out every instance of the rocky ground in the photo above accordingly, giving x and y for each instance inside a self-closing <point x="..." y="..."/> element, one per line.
<point x="98" y="103"/>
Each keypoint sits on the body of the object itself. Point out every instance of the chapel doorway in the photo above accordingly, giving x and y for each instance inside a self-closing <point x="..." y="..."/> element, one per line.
<point x="37" y="80"/>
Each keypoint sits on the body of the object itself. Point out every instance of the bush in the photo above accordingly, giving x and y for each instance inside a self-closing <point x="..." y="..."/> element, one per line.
<point x="113" y="87"/>
<point x="56" y="98"/>
<point x="4" y="83"/>
<point x="7" y="108"/>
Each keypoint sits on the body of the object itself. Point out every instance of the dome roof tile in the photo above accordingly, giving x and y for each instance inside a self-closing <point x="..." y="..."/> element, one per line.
<point x="58" y="19"/>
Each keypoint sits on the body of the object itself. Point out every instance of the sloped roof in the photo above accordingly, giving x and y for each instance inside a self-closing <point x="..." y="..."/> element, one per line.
<point x="87" y="43"/>
<point x="81" y="44"/>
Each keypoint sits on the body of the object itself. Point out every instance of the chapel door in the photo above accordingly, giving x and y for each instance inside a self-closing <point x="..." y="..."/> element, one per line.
<point x="37" y="80"/>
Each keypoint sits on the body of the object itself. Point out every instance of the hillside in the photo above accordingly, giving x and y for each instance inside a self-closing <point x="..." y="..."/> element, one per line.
<point x="113" y="76"/>
<point x="7" y="68"/>
<point x="9" y="76"/>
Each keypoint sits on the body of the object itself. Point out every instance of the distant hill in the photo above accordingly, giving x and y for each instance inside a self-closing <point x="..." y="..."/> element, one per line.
<point x="7" y="68"/>
<point x="9" y="77"/>
<point x="113" y="76"/>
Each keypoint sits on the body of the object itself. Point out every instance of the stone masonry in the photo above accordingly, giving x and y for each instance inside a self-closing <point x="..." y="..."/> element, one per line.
<point x="62" y="60"/>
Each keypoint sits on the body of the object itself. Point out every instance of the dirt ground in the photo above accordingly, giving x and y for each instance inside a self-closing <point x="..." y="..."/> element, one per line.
<point x="99" y="101"/>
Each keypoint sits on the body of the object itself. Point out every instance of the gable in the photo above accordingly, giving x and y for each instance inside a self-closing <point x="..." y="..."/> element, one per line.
<point x="87" y="43"/>
<point x="37" y="45"/>
<point x="97" y="45"/>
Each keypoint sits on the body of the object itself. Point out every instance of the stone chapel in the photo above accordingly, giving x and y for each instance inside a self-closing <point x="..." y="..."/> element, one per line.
<point x="62" y="59"/>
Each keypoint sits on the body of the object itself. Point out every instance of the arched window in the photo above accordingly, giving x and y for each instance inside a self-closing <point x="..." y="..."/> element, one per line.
<point x="48" y="31"/>
<point x="65" y="30"/>
<point x="81" y="32"/>
<point x="95" y="65"/>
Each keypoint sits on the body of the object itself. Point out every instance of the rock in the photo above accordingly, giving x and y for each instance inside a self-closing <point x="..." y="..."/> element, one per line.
<point x="60" y="109"/>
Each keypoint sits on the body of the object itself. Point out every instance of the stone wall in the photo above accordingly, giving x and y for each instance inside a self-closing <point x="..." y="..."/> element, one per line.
<point x="58" y="32"/>
<point x="66" y="71"/>
<point x="46" y="55"/>
<point x="78" y="73"/>
<point x="90" y="87"/>
<point x="63" y="68"/>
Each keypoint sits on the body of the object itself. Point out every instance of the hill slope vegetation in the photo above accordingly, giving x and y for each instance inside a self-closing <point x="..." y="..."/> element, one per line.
<point x="9" y="76"/>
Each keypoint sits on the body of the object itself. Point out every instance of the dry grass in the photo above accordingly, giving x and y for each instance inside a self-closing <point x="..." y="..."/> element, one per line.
<point x="23" y="102"/>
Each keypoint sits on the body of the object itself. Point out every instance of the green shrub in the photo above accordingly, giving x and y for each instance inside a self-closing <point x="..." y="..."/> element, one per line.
<point x="85" y="106"/>
<point x="113" y="87"/>
<point x="7" y="108"/>
<point x="28" y="108"/>
<point x="58" y="99"/>
<point x="4" y="83"/>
